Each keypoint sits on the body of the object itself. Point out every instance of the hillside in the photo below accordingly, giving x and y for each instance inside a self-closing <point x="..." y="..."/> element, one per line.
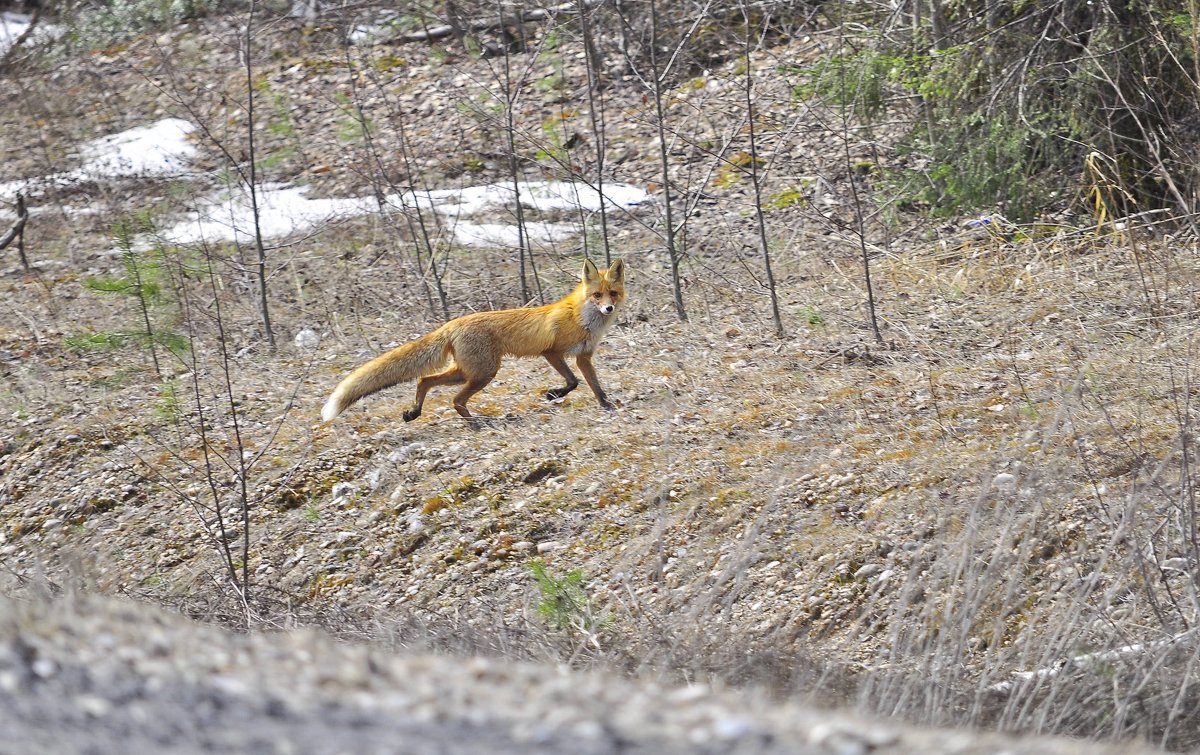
<point x="983" y="519"/>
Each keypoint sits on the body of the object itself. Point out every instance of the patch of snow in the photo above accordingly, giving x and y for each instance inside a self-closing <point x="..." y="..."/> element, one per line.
<point x="373" y="33"/>
<point x="283" y="211"/>
<point x="161" y="149"/>
<point x="12" y="26"/>
<point x="538" y="195"/>
<point x="165" y="149"/>
<point x="287" y="210"/>
<point x="499" y="235"/>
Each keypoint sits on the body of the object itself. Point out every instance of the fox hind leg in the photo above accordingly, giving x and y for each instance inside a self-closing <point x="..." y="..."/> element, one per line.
<point x="560" y="365"/>
<point x="452" y="376"/>
<point x="473" y="386"/>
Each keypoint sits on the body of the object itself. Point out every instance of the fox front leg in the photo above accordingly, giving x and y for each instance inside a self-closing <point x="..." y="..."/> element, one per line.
<point x="584" y="361"/>
<point x="560" y="366"/>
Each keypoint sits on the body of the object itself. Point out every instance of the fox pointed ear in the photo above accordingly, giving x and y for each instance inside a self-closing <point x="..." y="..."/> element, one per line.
<point x="616" y="271"/>
<point x="590" y="273"/>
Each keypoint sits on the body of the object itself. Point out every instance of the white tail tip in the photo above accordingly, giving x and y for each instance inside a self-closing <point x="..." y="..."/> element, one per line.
<point x="333" y="407"/>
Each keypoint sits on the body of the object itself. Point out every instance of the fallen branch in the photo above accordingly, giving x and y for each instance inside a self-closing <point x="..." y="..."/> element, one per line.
<point x="18" y="232"/>
<point x="1086" y="660"/>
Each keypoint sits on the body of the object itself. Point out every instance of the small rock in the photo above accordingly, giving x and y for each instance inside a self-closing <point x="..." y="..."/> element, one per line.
<point x="1004" y="480"/>
<point x="730" y="727"/>
<point x="44" y="668"/>
<point x="689" y="694"/>
<point x="93" y="706"/>
<point x="838" y="740"/>
<point x="230" y="686"/>
<point x="307" y="339"/>
<point x="415" y="522"/>
<point x="866" y="571"/>
<point x="547" y="546"/>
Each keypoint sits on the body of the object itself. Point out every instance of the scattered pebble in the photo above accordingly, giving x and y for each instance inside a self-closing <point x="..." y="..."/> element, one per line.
<point x="307" y="339"/>
<point x="866" y="571"/>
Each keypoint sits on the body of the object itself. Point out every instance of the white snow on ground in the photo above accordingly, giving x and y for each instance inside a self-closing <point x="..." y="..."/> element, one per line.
<point x="499" y="236"/>
<point x="372" y="33"/>
<point x="165" y="149"/>
<point x="287" y="210"/>
<point x="12" y="26"/>
<point x="540" y="195"/>
<point x="161" y="149"/>
<point x="283" y="211"/>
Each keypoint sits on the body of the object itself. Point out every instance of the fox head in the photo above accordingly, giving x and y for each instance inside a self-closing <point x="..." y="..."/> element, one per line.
<point x="605" y="289"/>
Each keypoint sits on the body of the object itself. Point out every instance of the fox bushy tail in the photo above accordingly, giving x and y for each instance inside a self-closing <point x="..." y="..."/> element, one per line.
<point x="403" y="363"/>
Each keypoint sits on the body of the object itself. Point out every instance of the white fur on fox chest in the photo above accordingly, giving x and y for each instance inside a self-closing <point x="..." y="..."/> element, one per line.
<point x="596" y="324"/>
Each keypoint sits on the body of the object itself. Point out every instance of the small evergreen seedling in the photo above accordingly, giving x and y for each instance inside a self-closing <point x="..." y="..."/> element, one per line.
<point x="140" y="284"/>
<point x="565" y="602"/>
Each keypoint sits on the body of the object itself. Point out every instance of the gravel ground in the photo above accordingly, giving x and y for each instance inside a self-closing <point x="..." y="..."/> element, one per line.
<point x="97" y="675"/>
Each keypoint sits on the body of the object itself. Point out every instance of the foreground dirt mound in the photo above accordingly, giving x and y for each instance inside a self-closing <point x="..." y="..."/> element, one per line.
<point x="105" y="675"/>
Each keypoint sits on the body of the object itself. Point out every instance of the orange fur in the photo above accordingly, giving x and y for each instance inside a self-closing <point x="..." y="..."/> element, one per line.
<point x="572" y="326"/>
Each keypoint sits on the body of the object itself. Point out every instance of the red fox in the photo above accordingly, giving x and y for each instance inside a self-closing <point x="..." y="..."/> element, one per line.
<point x="572" y="326"/>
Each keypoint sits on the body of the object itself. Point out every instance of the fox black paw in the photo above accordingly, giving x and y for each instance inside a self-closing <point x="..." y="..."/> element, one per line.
<point x="410" y="414"/>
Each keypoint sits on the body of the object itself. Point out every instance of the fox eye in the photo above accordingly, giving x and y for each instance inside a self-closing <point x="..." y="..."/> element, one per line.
<point x="597" y="295"/>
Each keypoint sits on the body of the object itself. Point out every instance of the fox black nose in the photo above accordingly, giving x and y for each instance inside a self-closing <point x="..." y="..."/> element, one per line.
<point x="606" y="308"/>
